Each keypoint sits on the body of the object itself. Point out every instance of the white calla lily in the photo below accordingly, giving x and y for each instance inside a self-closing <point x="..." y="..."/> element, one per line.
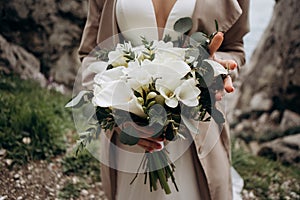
<point x="169" y="96"/>
<point x="188" y="93"/>
<point x="117" y="95"/>
<point x="176" y="69"/>
<point x="110" y="75"/>
<point x="97" y="67"/>
<point x="165" y="52"/>
<point x="139" y="78"/>
<point x="117" y="58"/>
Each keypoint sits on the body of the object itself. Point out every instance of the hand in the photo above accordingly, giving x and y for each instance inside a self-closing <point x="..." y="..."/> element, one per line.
<point x="146" y="141"/>
<point x="228" y="64"/>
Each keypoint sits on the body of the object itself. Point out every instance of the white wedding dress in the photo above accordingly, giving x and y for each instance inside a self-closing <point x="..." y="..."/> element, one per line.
<point x="137" y="18"/>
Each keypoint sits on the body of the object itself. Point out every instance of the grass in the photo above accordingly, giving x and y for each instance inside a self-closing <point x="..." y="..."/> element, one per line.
<point x="33" y="120"/>
<point x="84" y="164"/>
<point x="71" y="190"/>
<point x="267" y="179"/>
<point x="33" y="123"/>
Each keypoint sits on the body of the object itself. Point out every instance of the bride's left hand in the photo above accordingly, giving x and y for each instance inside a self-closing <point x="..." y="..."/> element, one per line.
<point x="228" y="64"/>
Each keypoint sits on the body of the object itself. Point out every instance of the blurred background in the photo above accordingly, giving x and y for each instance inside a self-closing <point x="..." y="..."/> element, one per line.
<point x="38" y="66"/>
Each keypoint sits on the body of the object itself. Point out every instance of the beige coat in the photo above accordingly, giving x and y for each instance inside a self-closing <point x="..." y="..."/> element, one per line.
<point x="232" y="17"/>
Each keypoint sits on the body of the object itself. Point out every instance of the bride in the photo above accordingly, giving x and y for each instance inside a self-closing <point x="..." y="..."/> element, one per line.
<point x="203" y="166"/>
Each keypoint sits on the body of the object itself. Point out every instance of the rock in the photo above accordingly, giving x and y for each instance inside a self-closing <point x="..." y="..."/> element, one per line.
<point x="26" y="140"/>
<point x="16" y="176"/>
<point x="261" y="102"/>
<point x="254" y="147"/>
<point x="273" y="75"/>
<point x="3" y="197"/>
<point x="290" y="119"/>
<point x="16" y="59"/>
<point x="75" y="180"/>
<point x="84" y="192"/>
<point x="275" y="116"/>
<point x="50" y="30"/>
<point x="263" y="119"/>
<point x="292" y="141"/>
<point x="284" y="149"/>
<point x="2" y="152"/>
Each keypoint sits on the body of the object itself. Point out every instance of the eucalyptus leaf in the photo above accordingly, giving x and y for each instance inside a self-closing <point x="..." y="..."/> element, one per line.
<point x="207" y="72"/>
<point x="83" y="135"/>
<point x="183" y="25"/>
<point x="199" y="38"/>
<point x="203" y="54"/>
<point x="82" y="97"/>
<point x="128" y="136"/>
<point x="157" y="115"/>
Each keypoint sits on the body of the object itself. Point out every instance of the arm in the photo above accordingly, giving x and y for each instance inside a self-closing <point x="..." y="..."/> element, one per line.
<point x="89" y="36"/>
<point x="232" y="47"/>
<point x="228" y="48"/>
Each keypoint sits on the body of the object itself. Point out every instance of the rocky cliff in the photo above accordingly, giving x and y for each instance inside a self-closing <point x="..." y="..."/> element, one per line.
<point x="39" y="40"/>
<point x="49" y="31"/>
<point x="268" y="105"/>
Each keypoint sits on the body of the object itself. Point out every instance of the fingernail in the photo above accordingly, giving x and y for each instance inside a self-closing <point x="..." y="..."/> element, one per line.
<point x="229" y="89"/>
<point x="158" y="146"/>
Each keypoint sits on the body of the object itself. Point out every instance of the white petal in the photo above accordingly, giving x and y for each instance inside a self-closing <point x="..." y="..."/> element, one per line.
<point x="113" y="93"/>
<point x="188" y="93"/>
<point x="172" y="103"/>
<point x="117" y="95"/>
<point x="109" y="75"/>
<point x="217" y="67"/>
<point x="169" y="96"/>
<point x="98" y="67"/>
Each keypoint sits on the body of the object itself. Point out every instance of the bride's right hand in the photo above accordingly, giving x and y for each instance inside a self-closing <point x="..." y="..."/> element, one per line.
<point x="148" y="143"/>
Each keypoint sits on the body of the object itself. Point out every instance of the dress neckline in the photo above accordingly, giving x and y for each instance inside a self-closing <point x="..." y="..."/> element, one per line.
<point x="166" y="26"/>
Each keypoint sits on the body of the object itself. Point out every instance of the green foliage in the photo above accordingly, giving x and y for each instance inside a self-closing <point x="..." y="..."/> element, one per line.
<point x="72" y="190"/>
<point x="84" y="164"/>
<point x="265" y="177"/>
<point x="32" y="120"/>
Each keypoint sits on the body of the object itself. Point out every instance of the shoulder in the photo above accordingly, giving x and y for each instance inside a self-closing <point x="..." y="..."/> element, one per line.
<point x="225" y="12"/>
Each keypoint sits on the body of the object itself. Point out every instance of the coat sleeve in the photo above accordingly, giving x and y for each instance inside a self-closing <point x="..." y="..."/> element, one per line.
<point x="89" y="36"/>
<point x="233" y="45"/>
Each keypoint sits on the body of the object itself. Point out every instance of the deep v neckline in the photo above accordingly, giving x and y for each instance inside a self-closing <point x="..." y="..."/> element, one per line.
<point x="167" y="19"/>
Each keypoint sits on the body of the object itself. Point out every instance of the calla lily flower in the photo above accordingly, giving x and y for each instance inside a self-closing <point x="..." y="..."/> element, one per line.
<point x="110" y="75"/>
<point x="117" y="95"/>
<point x="188" y="93"/>
<point x="117" y="57"/>
<point x="176" y="69"/>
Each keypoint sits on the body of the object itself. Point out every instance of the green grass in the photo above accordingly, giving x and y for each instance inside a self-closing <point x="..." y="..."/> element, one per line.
<point x="29" y="112"/>
<point x="84" y="164"/>
<point x="266" y="178"/>
<point x="71" y="190"/>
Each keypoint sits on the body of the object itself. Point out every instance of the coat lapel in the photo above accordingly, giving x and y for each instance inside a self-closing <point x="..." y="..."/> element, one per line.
<point x="206" y="12"/>
<point x="108" y="24"/>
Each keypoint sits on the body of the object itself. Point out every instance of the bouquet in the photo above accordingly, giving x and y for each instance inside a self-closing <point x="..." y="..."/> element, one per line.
<point x="160" y="84"/>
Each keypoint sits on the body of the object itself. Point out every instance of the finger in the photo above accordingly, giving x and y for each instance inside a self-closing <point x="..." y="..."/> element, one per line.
<point x="227" y="64"/>
<point x="219" y="95"/>
<point x="149" y="144"/>
<point x="146" y="148"/>
<point x="228" y="86"/>
<point x="216" y="43"/>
